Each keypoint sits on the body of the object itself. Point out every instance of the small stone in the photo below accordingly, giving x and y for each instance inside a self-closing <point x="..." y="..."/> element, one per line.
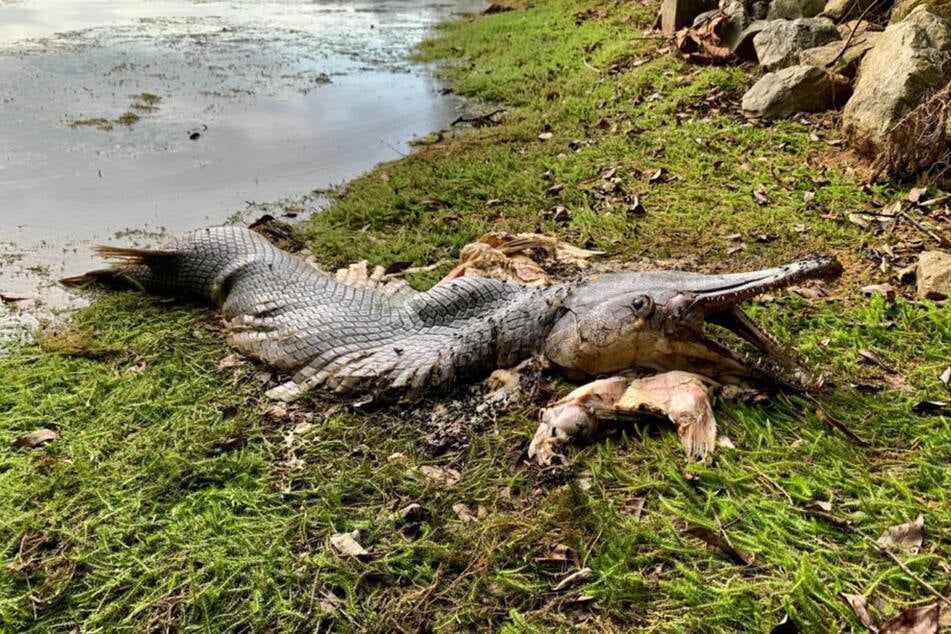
<point x="795" y="89"/>
<point x="934" y="275"/>
<point x="780" y="42"/>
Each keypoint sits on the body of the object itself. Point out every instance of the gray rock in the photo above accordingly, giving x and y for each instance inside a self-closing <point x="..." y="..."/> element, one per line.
<point x="795" y="89"/>
<point x="792" y="9"/>
<point x="676" y="14"/>
<point x="744" y="48"/>
<point x="781" y="41"/>
<point x="906" y="62"/>
<point x="846" y="64"/>
<point x="843" y="9"/>
<point x="934" y="275"/>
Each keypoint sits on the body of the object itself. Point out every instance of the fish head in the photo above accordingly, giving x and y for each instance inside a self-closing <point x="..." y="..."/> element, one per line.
<point x="662" y="320"/>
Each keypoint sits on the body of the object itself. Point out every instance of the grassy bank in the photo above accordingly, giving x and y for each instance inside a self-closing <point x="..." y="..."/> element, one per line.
<point x="176" y="498"/>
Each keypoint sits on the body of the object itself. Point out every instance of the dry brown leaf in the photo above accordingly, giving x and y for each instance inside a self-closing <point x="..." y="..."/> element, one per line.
<point x="920" y="620"/>
<point x="874" y="359"/>
<point x="346" y="544"/>
<point x="859" y="605"/>
<point x="904" y="537"/>
<point x="35" y="438"/>
<point x="701" y="44"/>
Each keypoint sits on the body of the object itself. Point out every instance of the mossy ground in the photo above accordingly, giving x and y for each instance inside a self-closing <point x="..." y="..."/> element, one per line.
<point x="175" y="499"/>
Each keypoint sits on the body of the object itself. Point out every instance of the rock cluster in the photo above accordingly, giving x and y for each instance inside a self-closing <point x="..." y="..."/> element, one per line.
<point x="823" y="54"/>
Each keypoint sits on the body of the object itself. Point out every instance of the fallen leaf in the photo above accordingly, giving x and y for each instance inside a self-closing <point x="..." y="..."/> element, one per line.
<point x="635" y="208"/>
<point x="904" y="537"/>
<point x="945" y="376"/>
<point x="560" y="213"/>
<point x="545" y="136"/>
<point x="574" y="579"/>
<point x="808" y="196"/>
<point x="347" y="544"/>
<point x="658" y="175"/>
<point x="35" y="438"/>
<point x="721" y="542"/>
<point x="732" y="237"/>
<point x="859" y="605"/>
<point x="920" y="620"/>
<point x="860" y="220"/>
<point x="760" y="197"/>
<point x="874" y="359"/>
<point x="916" y="194"/>
<point x="740" y="247"/>
<point x="701" y="44"/>
<point x="554" y="189"/>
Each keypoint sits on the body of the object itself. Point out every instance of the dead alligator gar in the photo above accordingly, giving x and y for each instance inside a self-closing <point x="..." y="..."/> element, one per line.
<point x="279" y="309"/>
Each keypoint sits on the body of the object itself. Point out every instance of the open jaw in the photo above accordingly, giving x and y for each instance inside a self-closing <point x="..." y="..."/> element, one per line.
<point x="717" y="302"/>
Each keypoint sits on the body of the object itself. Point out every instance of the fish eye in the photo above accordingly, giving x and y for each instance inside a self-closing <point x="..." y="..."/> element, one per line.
<point x="642" y="304"/>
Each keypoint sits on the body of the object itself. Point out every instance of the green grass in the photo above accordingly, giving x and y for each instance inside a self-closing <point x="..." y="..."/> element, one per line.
<point x="174" y="499"/>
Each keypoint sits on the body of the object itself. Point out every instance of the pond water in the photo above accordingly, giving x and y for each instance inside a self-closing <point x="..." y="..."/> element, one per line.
<point x="123" y="122"/>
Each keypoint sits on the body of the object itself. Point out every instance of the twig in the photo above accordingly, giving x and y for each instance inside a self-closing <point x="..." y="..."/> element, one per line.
<point x="940" y="200"/>
<point x="941" y="240"/>
<point x="826" y="418"/>
<point x="924" y="584"/>
<point x="481" y="120"/>
<point x="855" y="28"/>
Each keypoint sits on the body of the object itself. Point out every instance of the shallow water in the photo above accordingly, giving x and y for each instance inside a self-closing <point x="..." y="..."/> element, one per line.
<point x="257" y="101"/>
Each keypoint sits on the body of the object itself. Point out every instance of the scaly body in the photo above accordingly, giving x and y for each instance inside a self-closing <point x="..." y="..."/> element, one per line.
<point x="281" y="310"/>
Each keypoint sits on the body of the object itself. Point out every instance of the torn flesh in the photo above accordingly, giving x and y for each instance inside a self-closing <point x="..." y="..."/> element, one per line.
<point x="682" y="397"/>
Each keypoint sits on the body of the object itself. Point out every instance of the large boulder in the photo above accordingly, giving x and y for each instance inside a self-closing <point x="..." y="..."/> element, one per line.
<point x="908" y="60"/>
<point x="844" y="9"/>
<point x="904" y="7"/>
<point x="792" y="9"/>
<point x="744" y="48"/>
<point x="832" y="58"/>
<point x="676" y="14"/>
<point x="795" y="89"/>
<point x="781" y="41"/>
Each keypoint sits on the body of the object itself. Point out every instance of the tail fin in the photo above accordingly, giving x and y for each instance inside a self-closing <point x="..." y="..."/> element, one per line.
<point x="133" y="257"/>
<point x="124" y="273"/>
